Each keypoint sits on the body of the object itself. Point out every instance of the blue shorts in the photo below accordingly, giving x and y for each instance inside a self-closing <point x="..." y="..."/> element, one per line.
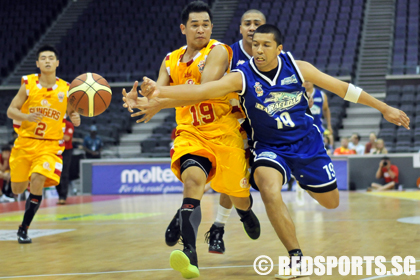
<point x="306" y="160"/>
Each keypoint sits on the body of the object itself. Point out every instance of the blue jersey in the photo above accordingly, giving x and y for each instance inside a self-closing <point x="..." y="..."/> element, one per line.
<point x="277" y="110"/>
<point x="240" y="56"/>
<point x="316" y="109"/>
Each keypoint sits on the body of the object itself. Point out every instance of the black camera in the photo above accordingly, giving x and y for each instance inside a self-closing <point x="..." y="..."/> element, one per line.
<point x="385" y="163"/>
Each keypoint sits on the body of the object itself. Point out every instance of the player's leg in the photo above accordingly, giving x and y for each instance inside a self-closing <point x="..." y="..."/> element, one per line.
<point x="63" y="187"/>
<point x="268" y="180"/>
<point x="194" y="171"/>
<point x="329" y="200"/>
<point x="214" y="237"/>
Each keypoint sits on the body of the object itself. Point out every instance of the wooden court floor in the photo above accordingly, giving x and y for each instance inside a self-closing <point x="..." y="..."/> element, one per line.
<point x="122" y="237"/>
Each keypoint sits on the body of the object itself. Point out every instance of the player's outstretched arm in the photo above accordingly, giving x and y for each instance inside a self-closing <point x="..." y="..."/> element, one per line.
<point x="232" y="82"/>
<point x="14" y="113"/>
<point x="351" y="93"/>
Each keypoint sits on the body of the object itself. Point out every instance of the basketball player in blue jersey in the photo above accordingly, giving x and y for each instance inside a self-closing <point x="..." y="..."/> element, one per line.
<point x="320" y="108"/>
<point x="286" y="140"/>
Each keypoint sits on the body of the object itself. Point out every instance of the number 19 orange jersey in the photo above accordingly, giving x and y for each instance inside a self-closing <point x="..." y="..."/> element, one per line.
<point x="205" y="115"/>
<point x="51" y="102"/>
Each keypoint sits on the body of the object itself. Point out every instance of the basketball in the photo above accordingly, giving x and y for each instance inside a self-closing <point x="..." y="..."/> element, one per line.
<point x="89" y="94"/>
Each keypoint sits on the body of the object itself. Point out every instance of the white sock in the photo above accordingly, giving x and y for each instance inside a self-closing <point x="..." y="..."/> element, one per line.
<point x="222" y="216"/>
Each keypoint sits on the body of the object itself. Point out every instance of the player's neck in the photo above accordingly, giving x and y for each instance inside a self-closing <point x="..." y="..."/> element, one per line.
<point x="47" y="80"/>
<point x="247" y="47"/>
<point x="189" y="54"/>
<point x="310" y="91"/>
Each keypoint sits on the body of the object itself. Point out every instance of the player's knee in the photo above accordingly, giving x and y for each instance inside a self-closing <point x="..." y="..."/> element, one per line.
<point x="332" y="204"/>
<point x="193" y="182"/>
<point x="18" y="188"/>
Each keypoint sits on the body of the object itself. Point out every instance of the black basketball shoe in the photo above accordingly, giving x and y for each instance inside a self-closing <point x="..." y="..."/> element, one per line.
<point x="250" y="223"/>
<point x="173" y="232"/>
<point x="214" y="237"/>
<point x="22" y="236"/>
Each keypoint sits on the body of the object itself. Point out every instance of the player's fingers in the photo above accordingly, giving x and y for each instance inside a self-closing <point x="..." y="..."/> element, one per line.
<point x="136" y="83"/>
<point x="124" y="93"/>
<point x="141" y="120"/>
<point x="140" y="113"/>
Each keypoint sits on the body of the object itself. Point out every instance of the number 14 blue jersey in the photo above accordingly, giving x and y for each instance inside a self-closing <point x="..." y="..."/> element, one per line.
<point x="277" y="109"/>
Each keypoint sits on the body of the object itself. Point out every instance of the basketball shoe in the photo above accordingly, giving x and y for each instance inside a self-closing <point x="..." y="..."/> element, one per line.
<point x="185" y="262"/>
<point x="293" y="273"/>
<point x="214" y="237"/>
<point x="251" y="223"/>
<point x="22" y="236"/>
<point x="173" y="232"/>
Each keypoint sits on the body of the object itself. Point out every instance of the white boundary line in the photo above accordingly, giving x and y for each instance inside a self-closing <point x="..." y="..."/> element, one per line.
<point x="161" y="269"/>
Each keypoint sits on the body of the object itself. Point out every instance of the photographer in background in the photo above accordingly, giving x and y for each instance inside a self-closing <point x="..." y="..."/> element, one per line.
<point x="387" y="171"/>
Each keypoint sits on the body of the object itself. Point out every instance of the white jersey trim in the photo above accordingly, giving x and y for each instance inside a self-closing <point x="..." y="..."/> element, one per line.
<point x="271" y="82"/>
<point x="243" y="81"/>
<point x="297" y="68"/>
<point x="269" y="159"/>
<point x="241" y="46"/>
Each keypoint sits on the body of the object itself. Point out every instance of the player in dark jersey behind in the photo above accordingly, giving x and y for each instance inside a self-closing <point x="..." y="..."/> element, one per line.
<point x="286" y="141"/>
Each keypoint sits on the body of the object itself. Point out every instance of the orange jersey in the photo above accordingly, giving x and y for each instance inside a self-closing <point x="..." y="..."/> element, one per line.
<point x="51" y="102"/>
<point x="202" y="116"/>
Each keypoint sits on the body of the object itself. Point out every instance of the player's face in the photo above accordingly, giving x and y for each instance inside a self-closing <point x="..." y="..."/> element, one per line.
<point x="265" y="51"/>
<point x="249" y="23"/>
<point x="198" y="29"/>
<point x="47" y="62"/>
<point x="308" y="86"/>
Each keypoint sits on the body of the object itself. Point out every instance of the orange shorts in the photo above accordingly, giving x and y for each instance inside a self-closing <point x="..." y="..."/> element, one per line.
<point x="229" y="173"/>
<point x="36" y="156"/>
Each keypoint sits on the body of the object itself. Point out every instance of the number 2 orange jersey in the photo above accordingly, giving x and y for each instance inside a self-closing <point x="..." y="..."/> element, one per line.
<point x="202" y="116"/>
<point x="51" y="102"/>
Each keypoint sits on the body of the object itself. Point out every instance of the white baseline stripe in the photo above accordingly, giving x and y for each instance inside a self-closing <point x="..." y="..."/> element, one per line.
<point x="158" y="269"/>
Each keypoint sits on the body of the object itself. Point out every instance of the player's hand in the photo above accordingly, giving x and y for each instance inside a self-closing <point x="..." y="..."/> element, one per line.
<point x="75" y="118"/>
<point x="396" y="116"/>
<point x="330" y="129"/>
<point x="34" y="117"/>
<point x="130" y="99"/>
<point x="149" y="108"/>
<point x="149" y="88"/>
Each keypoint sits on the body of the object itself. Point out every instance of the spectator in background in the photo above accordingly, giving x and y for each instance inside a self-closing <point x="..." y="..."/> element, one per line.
<point x="5" y="188"/>
<point x="63" y="187"/>
<point x="371" y="143"/>
<point x="355" y="145"/>
<point x="390" y="174"/>
<point x="379" y="148"/>
<point x="344" y="149"/>
<point x="93" y="144"/>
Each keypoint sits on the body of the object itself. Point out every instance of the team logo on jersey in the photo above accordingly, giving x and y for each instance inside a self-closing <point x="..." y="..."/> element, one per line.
<point x="289" y="80"/>
<point x="45" y="102"/>
<point x="267" y="155"/>
<point x="281" y="101"/>
<point x="61" y="96"/>
<point x="189" y="82"/>
<point x="240" y="62"/>
<point x="315" y="110"/>
<point x="201" y="65"/>
<point x="244" y="183"/>
<point x="46" y="165"/>
<point x="258" y="89"/>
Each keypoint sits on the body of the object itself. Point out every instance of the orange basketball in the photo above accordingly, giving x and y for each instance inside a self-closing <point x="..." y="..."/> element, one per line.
<point x="89" y="94"/>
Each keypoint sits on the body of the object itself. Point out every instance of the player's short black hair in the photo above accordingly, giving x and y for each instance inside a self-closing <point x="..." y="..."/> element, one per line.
<point x="45" y="48"/>
<point x="195" y="7"/>
<point x="271" y="29"/>
<point x="5" y="148"/>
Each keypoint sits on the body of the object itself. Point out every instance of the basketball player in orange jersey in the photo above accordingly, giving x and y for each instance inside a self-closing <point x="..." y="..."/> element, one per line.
<point x="37" y="111"/>
<point x="208" y="145"/>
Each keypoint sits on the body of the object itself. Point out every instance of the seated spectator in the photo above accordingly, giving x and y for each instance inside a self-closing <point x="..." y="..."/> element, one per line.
<point x="355" y="145"/>
<point x="344" y="149"/>
<point x="93" y="144"/>
<point x="389" y="173"/>
<point x="371" y="143"/>
<point x="6" y="194"/>
<point x="379" y="148"/>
